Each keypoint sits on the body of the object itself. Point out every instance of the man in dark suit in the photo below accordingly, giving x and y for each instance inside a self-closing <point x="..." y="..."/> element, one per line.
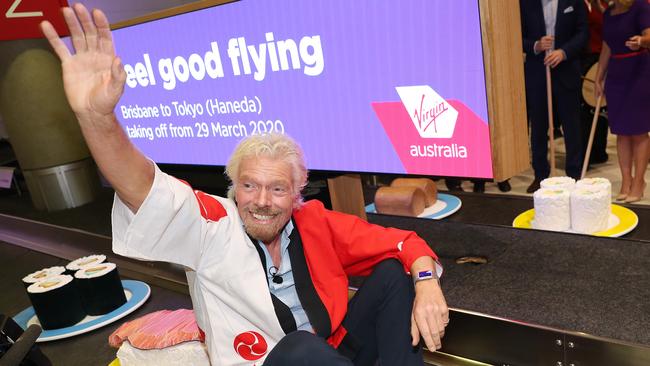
<point x="554" y="34"/>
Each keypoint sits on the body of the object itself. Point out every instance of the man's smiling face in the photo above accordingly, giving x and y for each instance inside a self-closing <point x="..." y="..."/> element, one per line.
<point x="264" y="196"/>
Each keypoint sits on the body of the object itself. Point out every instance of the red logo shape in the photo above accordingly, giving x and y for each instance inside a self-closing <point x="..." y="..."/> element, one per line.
<point x="250" y="345"/>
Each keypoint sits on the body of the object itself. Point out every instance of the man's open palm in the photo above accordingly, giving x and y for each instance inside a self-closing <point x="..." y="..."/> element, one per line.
<point x="93" y="77"/>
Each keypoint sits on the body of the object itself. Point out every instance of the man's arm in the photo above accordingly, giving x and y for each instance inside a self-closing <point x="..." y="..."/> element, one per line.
<point x="430" y="313"/>
<point x="93" y="79"/>
<point x="578" y="40"/>
<point x="526" y="38"/>
<point x="360" y="246"/>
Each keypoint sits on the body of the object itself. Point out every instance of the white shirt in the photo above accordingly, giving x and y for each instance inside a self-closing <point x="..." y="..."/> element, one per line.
<point x="550" y="13"/>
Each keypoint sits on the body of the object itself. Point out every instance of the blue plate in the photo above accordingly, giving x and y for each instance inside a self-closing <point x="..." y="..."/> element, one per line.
<point x="136" y="294"/>
<point x="444" y="206"/>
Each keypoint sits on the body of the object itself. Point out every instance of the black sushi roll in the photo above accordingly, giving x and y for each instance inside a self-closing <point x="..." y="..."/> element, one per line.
<point x="56" y="302"/>
<point x="42" y="274"/>
<point x="84" y="262"/>
<point x="100" y="288"/>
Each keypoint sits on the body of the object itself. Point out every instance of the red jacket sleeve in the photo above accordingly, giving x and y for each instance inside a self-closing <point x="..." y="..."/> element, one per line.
<point x="361" y="245"/>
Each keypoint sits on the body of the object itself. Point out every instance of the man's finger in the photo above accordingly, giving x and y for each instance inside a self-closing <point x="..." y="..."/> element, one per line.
<point x="57" y="44"/>
<point x="415" y="333"/>
<point x="105" y="39"/>
<point x="88" y="26"/>
<point x="445" y="315"/>
<point x="425" y="331"/>
<point x="76" y="33"/>
<point x="118" y="76"/>
<point x="434" y="327"/>
<point x="428" y="331"/>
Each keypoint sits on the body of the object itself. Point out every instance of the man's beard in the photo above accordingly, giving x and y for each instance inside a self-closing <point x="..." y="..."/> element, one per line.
<point x="264" y="233"/>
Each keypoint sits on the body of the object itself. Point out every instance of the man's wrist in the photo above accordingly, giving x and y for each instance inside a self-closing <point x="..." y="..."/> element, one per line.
<point x="425" y="275"/>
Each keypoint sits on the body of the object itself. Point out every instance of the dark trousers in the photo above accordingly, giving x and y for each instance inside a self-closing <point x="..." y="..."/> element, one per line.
<point x="378" y="322"/>
<point x="599" y="146"/>
<point x="566" y="105"/>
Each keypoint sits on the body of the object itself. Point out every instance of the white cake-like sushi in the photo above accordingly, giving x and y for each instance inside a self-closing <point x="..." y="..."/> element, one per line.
<point x="596" y="183"/>
<point x="590" y="209"/>
<point x="42" y="274"/>
<point x="100" y="288"/>
<point x="552" y="209"/>
<point x="56" y="302"/>
<point x="567" y="183"/>
<point x="187" y="353"/>
<point x="83" y="262"/>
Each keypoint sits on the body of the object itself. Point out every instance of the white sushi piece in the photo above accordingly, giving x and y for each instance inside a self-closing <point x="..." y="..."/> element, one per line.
<point x="98" y="270"/>
<point x="552" y="209"/>
<point x="590" y="210"/>
<point x="596" y="183"/>
<point x="567" y="183"/>
<point x="43" y="274"/>
<point x="49" y="284"/>
<point x="87" y="261"/>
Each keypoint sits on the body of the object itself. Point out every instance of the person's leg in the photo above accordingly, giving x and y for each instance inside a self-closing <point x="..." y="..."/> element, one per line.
<point x="624" y="150"/>
<point x="599" y="150"/>
<point x="640" y="162"/>
<point x="379" y="318"/>
<point x="302" y="348"/>
<point x="538" y="135"/>
<point x="568" y="103"/>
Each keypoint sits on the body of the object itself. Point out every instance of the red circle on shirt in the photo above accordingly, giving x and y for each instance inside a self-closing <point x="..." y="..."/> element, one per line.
<point x="250" y="345"/>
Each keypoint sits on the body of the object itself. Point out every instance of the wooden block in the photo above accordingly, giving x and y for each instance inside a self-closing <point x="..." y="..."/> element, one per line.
<point x="402" y="201"/>
<point x="425" y="184"/>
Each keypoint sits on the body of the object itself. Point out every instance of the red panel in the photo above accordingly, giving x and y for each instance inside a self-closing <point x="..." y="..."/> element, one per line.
<point x="19" y="19"/>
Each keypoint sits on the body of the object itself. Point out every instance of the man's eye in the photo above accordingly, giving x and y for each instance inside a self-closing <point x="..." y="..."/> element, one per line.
<point x="280" y="190"/>
<point x="248" y="186"/>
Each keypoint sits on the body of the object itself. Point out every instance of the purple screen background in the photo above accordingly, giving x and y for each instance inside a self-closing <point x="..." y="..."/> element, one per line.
<point x="369" y="48"/>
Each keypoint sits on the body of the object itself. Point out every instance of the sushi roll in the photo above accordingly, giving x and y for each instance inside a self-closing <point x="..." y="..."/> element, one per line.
<point x="590" y="209"/>
<point x="56" y="302"/>
<point x="552" y="209"/>
<point x="567" y="183"/>
<point x="42" y="274"/>
<point x="100" y="288"/>
<point x="596" y="183"/>
<point x="83" y="262"/>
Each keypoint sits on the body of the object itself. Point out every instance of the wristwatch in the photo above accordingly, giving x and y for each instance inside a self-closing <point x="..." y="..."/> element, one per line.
<point x="425" y="275"/>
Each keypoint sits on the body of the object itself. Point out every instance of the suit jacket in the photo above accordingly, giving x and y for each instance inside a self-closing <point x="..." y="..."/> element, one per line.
<point x="571" y="35"/>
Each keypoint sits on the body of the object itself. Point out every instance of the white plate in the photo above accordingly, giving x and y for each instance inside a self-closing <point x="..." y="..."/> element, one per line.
<point x="445" y="206"/>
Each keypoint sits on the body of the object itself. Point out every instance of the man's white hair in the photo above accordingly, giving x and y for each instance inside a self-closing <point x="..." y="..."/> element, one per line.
<point x="275" y="146"/>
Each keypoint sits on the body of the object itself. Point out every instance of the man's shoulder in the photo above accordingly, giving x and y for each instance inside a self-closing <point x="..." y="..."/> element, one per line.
<point x="309" y="207"/>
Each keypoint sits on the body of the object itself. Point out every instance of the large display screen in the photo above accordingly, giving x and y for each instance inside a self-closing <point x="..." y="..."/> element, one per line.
<point x="382" y="86"/>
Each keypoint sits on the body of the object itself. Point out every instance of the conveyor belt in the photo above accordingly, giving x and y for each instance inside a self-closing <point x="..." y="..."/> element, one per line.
<point x="561" y="282"/>
<point x="86" y="349"/>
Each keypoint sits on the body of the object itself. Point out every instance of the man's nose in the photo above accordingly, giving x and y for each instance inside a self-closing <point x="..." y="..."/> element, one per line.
<point x="263" y="198"/>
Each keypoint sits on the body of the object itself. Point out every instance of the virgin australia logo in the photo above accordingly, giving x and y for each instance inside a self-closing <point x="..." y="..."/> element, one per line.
<point x="430" y="113"/>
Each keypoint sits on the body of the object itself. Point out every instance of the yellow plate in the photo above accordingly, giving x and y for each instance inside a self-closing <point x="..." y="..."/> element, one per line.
<point x="116" y="362"/>
<point x="622" y="220"/>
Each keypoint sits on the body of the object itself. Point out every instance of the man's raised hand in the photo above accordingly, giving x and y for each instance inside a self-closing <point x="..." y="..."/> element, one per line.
<point x="93" y="77"/>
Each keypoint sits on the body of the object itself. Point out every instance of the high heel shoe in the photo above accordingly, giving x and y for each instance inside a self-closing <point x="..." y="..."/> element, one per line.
<point x="631" y="199"/>
<point x="623" y="195"/>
